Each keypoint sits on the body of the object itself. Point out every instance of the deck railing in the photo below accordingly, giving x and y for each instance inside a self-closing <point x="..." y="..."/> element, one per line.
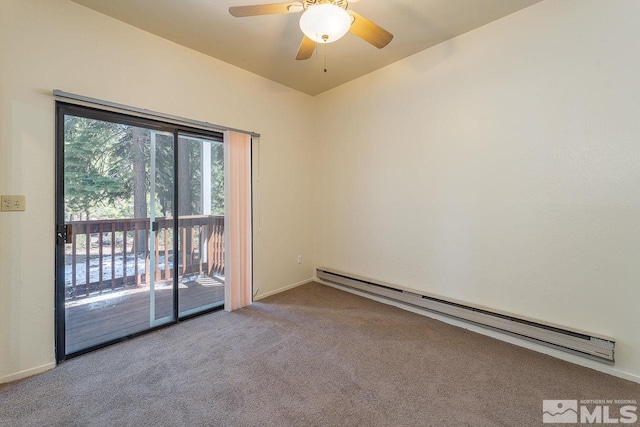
<point x="113" y="254"/>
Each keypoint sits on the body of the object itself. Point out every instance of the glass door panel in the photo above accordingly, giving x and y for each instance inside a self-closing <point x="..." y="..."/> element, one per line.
<point x="200" y="224"/>
<point x="116" y="267"/>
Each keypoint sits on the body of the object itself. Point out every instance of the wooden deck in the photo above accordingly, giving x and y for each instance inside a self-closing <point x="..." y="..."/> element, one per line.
<point x="108" y="265"/>
<point x="113" y="315"/>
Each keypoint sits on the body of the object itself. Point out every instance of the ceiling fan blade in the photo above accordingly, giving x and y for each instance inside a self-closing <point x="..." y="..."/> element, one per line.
<point x="369" y="31"/>
<point x="307" y="46"/>
<point x="265" y="9"/>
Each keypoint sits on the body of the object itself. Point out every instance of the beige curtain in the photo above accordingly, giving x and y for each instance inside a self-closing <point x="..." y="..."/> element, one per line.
<point x="238" y="263"/>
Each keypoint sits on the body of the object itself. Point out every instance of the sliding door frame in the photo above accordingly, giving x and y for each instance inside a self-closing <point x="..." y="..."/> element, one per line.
<point x="65" y="108"/>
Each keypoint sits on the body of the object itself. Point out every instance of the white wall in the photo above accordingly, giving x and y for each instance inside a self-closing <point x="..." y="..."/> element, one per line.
<point x="501" y="168"/>
<point x="56" y="44"/>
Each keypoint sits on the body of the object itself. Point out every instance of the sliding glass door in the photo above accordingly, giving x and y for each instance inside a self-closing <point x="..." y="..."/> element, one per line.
<point x="140" y="226"/>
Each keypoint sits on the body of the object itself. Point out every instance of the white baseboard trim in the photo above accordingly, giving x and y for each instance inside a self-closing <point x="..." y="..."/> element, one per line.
<point x="286" y="288"/>
<point x="27" y="373"/>
<point x="587" y="363"/>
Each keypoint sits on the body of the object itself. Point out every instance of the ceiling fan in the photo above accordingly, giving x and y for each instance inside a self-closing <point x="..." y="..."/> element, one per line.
<point x="323" y="21"/>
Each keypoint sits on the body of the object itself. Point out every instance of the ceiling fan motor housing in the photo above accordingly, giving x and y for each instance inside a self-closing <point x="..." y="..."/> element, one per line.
<point x="340" y="3"/>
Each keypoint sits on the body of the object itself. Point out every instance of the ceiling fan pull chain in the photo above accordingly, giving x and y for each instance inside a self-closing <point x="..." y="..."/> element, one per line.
<point x="325" y="58"/>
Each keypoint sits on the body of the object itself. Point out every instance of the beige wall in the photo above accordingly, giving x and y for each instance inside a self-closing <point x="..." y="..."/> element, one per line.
<point x="56" y="44"/>
<point x="501" y="168"/>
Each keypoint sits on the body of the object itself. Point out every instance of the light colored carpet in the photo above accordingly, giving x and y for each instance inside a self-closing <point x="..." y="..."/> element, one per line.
<point x="311" y="356"/>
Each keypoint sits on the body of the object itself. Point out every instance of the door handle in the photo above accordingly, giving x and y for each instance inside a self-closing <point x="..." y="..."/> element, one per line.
<point x="64" y="234"/>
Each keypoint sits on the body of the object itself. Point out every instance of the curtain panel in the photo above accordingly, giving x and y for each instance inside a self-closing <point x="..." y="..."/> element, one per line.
<point x="238" y="263"/>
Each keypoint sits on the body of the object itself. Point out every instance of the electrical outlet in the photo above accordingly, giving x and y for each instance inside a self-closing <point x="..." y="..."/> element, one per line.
<point x="299" y="259"/>
<point x="9" y="203"/>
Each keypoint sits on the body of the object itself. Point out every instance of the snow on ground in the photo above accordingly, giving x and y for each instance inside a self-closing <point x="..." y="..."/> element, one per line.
<point x="117" y="260"/>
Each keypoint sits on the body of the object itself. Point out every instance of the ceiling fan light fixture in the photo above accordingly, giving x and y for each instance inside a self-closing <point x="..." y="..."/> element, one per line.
<point x="325" y="23"/>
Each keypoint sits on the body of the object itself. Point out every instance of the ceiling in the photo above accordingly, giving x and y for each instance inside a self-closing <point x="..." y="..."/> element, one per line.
<point x="267" y="45"/>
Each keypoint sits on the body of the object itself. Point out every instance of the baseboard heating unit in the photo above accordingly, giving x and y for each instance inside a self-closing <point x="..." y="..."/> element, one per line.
<point x="577" y="342"/>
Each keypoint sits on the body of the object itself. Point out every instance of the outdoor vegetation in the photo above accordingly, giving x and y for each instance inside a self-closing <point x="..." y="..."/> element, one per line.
<point x="108" y="172"/>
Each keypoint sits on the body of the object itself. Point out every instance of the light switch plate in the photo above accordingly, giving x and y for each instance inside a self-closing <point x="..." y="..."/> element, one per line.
<point x="12" y="203"/>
